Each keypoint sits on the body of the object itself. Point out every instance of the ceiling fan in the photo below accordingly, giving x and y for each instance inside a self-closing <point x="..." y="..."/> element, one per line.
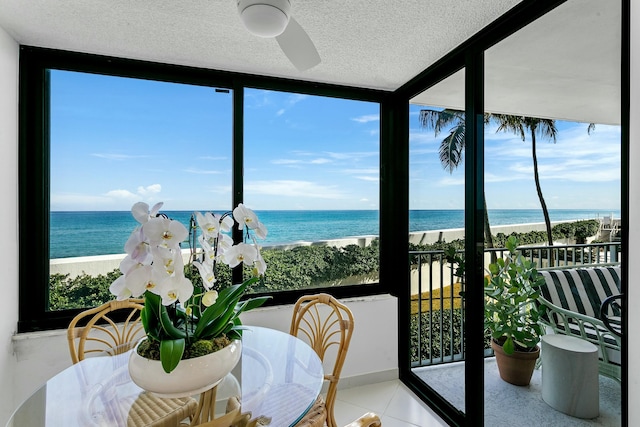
<point x="272" y="18"/>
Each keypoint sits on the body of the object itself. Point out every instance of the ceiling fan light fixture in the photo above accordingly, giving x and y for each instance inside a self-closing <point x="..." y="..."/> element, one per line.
<point x="264" y="18"/>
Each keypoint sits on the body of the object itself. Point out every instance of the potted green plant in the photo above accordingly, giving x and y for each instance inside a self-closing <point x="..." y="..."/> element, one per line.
<point x="187" y="319"/>
<point x="511" y="314"/>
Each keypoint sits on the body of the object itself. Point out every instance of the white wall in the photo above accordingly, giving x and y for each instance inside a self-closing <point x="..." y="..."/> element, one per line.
<point x="634" y="217"/>
<point x="8" y="214"/>
<point x="373" y="353"/>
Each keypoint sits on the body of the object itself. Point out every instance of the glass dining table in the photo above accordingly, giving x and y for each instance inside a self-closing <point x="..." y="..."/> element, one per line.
<point x="278" y="378"/>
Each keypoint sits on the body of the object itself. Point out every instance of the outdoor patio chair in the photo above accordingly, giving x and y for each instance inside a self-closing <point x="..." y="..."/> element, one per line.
<point x="574" y="298"/>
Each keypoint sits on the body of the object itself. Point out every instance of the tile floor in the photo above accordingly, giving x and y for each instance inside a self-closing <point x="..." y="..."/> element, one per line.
<point x="396" y="405"/>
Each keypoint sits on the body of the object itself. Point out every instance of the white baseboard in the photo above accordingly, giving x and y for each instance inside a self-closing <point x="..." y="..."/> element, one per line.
<point x="366" y="379"/>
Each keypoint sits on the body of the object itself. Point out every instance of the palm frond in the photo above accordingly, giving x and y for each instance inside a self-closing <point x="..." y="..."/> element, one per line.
<point x="452" y="149"/>
<point x="437" y="120"/>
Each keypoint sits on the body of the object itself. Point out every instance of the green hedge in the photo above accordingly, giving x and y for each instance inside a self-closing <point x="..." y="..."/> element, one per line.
<point x="80" y="292"/>
<point x="297" y="268"/>
<point x="438" y="326"/>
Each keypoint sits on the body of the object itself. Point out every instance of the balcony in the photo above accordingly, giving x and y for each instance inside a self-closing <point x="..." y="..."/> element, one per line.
<point x="438" y="353"/>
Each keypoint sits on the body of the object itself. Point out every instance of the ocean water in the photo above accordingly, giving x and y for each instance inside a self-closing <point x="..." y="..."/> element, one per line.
<point x="75" y="234"/>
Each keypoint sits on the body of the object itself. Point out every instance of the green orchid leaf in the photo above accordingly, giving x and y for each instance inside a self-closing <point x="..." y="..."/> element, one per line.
<point x="152" y="302"/>
<point x="171" y="352"/>
<point x="225" y="303"/>
<point x="168" y="327"/>
<point x="255" y="303"/>
<point x="216" y="328"/>
<point x="150" y="323"/>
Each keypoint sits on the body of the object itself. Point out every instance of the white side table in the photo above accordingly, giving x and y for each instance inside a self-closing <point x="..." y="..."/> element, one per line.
<point x="570" y="381"/>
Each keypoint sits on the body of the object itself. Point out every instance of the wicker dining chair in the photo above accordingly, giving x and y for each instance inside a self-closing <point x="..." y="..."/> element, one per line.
<point x="370" y="419"/>
<point x="114" y="328"/>
<point x="231" y="419"/>
<point x="327" y="325"/>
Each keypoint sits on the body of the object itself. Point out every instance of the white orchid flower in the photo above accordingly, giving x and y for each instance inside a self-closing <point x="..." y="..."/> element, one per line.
<point x="225" y="243"/>
<point x="260" y="231"/>
<point x="226" y="223"/>
<point x="168" y="258"/>
<point x="175" y="288"/>
<point x="259" y="265"/>
<point x="240" y="253"/>
<point x="206" y="273"/>
<point x="209" y="298"/>
<point x="245" y="216"/>
<point x="137" y="246"/>
<point x="119" y="289"/>
<point x="208" y="224"/>
<point x="128" y="263"/>
<point x="209" y="251"/>
<point x="140" y="279"/>
<point x="165" y="232"/>
<point x="212" y="224"/>
<point x="141" y="212"/>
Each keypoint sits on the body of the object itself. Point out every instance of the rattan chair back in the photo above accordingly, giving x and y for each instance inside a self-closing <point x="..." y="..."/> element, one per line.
<point x="327" y="325"/>
<point x="112" y="328"/>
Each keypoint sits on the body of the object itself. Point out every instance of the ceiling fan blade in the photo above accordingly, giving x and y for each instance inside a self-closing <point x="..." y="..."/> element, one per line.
<point x="297" y="45"/>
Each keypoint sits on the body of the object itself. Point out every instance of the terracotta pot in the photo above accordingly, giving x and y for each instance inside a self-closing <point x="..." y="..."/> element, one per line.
<point x="190" y="377"/>
<point x="516" y="368"/>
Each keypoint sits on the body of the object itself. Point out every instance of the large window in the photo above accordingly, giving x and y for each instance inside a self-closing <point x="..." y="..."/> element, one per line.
<point x="106" y="134"/>
<point x="312" y="169"/>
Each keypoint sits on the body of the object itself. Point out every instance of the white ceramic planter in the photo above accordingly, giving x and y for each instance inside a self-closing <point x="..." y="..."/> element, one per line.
<point x="190" y="377"/>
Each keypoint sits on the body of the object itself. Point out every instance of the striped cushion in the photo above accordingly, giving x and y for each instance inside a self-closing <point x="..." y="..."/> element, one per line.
<point x="581" y="290"/>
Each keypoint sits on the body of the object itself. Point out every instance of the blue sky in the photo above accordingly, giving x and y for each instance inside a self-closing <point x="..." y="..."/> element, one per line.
<point x="578" y="171"/>
<point x="116" y="141"/>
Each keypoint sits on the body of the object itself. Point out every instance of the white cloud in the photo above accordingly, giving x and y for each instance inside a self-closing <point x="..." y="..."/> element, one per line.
<point x="149" y="190"/>
<point x="450" y="180"/>
<point x="286" y="162"/>
<point x="121" y="194"/>
<point x="258" y="98"/>
<point x="73" y="201"/>
<point x="367" y="118"/>
<point x="352" y="156"/>
<point x="291" y="188"/>
<point x="320" y="161"/>
<point x="374" y="171"/>
<point x="295" y="98"/>
<point x="289" y="102"/>
<point x="422" y="137"/>
<point x="368" y="178"/>
<point x="202" y="171"/>
<point x="509" y="177"/>
<point x="212" y="158"/>
<point x="416" y="152"/>
<point x="324" y="158"/>
<point x="114" y="156"/>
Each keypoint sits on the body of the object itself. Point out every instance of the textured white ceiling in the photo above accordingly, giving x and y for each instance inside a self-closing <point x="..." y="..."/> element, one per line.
<point x="377" y="44"/>
<point x="565" y="65"/>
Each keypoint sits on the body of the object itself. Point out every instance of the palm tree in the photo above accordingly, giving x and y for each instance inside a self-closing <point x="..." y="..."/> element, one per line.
<point x="545" y="128"/>
<point x="452" y="149"/>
